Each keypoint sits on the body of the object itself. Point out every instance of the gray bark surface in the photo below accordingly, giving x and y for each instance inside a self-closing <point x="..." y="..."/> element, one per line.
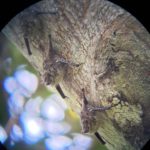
<point x="113" y="49"/>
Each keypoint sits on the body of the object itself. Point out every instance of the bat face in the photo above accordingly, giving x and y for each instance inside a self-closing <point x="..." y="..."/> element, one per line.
<point x="87" y="117"/>
<point x="88" y="120"/>
<point x="53" y="72"/>
<point x="50" y="72"/>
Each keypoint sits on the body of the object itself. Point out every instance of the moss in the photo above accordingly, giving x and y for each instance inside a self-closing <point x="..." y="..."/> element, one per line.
<point x="126" y="115"/>
<point x="112" y="135"/>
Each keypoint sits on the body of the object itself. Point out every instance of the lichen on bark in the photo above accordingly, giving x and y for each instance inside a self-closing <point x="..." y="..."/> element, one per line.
<point x="114" y="50"/>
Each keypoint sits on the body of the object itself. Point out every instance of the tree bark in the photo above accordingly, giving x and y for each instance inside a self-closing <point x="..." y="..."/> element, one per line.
<point x="113" y="49"/>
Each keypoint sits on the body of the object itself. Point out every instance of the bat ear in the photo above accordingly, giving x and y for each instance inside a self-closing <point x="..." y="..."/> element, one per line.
<point x="27" y="45"/>
<point x="50" y="51"/>
<point x="100" y="138"/>
<point x="2" y="147"/>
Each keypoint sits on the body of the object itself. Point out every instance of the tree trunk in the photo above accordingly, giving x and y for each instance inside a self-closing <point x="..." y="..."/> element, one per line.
<point x="101" y="49"/>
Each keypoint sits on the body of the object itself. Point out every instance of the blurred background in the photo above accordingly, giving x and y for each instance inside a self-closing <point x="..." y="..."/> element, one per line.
<point x="31" y="116"/>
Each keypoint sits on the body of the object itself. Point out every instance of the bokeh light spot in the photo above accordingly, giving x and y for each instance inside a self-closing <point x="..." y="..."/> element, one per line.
<point x="81" y="140"/>
<point x="16" y="133"/>
<point x="3" y="134"/>
<point x="10" y="84"/>
<point x="58" y="143"/>
<point x="15" y="103"/>
<point x="56" y="128"/>
<point x="32" y="106"/>
<point x="32" y="128"/>
<point x="58" y="99"/>
<point x="51" y="110"/>
<point x="27" y="80"/>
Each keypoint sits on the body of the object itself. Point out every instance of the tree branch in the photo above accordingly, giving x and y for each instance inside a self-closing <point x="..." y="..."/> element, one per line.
<point x="114" y="50"/>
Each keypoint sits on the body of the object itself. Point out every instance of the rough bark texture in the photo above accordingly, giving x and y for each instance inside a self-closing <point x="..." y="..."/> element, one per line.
<point x="114" y="50"/>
